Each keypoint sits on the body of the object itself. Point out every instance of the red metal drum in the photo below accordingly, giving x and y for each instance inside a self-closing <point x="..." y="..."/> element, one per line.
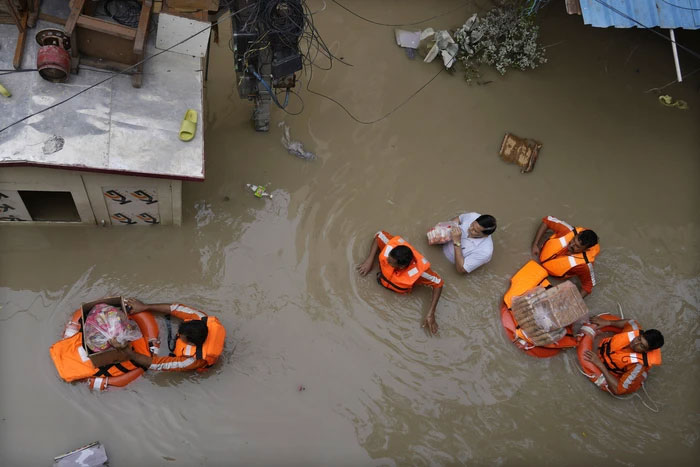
<point x="53" y="63"/>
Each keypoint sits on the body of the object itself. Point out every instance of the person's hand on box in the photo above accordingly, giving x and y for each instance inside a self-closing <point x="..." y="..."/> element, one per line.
<point x="134" y="306"/>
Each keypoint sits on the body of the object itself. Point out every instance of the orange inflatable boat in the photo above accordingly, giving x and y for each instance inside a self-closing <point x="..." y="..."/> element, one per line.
<point x="529" y="276"/>
<point x="73" y="363"/>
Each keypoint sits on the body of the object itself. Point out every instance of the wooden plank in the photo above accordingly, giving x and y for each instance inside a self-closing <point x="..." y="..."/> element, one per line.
<point x="192" y="5"/>
<point x="113" y="29"/>
<point x="14" y="13"/>
<point x="74" y="53"/>
<point x="137" y="78"/>
<point x="76" y="8"/>
<point x="104" y="47"/>
<point x="142" y="29"/>
<point x="34" y="13"/>
<point x="105" y="64"/>
<point x="19" y="49"/>
<point x="573" y="7"/>
<point x="52" y="19"/>
<point x="199" y="15"/>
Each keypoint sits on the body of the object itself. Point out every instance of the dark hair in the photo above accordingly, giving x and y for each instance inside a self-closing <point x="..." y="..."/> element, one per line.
<point x="654" y="338"/>
<point x="487" y="222"/>
<point x="588" y="238"/>
<point x="195" y="331"/>
<point x="402" y="254"/>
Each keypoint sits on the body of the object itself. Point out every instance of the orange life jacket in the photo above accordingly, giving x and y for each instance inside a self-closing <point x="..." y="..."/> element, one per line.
<point x="73" y="364"/>
<point x="529" y="276"/>
<point x="616" y="355"/>
<point x="400" y="280"/>
<point x="211" y="349"/>
<point x="555" y="258"/>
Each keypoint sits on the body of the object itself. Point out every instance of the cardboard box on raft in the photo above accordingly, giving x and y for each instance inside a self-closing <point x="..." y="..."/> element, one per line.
<point x="544" y="313"/>
<point x="108" y="356"/>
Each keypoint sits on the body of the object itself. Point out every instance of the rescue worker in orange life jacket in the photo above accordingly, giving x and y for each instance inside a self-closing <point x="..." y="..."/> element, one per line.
<point x="402" y="267"/>
<point x="199" y="343"/>
<point x="568" y="252"/>
<point x="625" y="358"/>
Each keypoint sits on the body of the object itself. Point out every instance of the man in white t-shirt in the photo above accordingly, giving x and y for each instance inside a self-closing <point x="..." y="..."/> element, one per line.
<point x="471" y="245"/>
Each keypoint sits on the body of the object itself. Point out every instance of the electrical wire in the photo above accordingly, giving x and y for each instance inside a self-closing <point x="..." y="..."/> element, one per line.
<point x="223" y="18"/>
<point x="625" y="15"/>
<point x="10" y="72"/>
<point x="300" y="100"/>
<point x="369" y="122"/>
<point x="270" y="92"/>
<point x="315" y="41"/>
<point x="397" y="25"/>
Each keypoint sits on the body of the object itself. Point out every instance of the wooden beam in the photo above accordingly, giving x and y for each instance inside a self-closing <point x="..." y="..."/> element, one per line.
<point x="34" y="9"/>
<point x="52" y="19"/>
<point x="142" y="29"/>
<point x="16" y="18"/>
<point x="74" y="53"/>
<point x="76" y="9"/>
<point x="105" y="64"/>
<point x="19" y="49"/>
<point x="573" y="7"/>
<point x="113" y="29"/>
<point x="192" y="5"/>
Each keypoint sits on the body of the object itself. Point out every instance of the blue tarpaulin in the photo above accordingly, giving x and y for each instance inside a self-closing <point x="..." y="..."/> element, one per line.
<point x="667" y="14"/>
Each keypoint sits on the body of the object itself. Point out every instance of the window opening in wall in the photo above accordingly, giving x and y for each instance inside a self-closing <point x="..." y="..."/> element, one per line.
<point x="50" y="206"/>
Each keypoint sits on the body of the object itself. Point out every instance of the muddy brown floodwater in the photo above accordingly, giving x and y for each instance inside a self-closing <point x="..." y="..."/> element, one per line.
<point x="280" y="273"/>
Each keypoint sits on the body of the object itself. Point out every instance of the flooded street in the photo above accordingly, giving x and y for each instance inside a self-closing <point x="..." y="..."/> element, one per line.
<point x="280" y="273"/>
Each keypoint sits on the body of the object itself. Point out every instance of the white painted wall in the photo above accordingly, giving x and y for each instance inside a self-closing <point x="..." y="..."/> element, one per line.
<point x="119" y="200"/>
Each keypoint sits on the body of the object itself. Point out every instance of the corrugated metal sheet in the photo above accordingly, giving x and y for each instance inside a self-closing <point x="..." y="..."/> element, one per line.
<point x="667" y="14"/>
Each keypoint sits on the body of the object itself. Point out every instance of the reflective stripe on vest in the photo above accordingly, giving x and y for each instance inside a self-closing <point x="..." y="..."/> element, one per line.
<point x="616" y="355"/>
<point x="558" y="263"/>
<point x="73" y="364"/>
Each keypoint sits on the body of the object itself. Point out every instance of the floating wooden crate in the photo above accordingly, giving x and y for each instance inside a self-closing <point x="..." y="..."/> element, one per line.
<point x="521" y="151"/>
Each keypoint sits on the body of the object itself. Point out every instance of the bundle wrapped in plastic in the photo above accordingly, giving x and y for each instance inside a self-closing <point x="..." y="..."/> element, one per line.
<point x="441" y="233"/>
<point x="105" y="322"/>
<point x="544" y="313"/>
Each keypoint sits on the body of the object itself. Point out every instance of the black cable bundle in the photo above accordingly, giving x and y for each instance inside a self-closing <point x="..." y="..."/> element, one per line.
<point x="125" y="12"/>
<point x="283" y="20"/>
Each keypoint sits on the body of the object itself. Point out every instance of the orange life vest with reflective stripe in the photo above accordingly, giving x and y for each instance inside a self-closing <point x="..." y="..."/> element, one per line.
<point x="529" y="276"/>
<point x="400" y="280"/>
<point x="616" y="355"/>
<point x="554" y="256"/>
<point x="73" y="363"/>
<point x="211" y="349"/>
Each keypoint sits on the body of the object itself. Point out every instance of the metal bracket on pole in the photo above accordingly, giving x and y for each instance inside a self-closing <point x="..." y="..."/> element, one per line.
<point x="675" y="56"/>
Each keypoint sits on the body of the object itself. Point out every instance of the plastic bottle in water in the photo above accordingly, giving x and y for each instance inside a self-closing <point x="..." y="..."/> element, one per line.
<point x="258" y="191"/>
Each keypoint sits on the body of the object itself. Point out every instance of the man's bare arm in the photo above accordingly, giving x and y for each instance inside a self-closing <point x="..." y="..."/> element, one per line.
<point x="536" y="243"/>
<point x="368" y="264"/>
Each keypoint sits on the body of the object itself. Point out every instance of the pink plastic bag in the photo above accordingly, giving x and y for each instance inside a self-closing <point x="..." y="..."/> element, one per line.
<point x="441" y="233"/>
<point x="105" y="322"/>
